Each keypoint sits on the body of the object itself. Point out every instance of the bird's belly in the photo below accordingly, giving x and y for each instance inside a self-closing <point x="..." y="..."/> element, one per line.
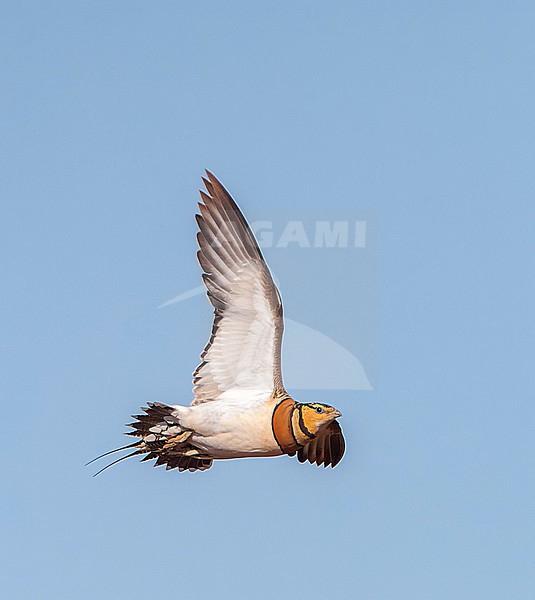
<point x="235" y="445"/>
<point x="224" y="431"/>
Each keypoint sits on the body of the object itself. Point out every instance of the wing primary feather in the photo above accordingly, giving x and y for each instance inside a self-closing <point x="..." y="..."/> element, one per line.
<point x="327" y="450"/>
<point x="210" y="230"/>
<point x="225" y="201"/>
<point x="214" y="224"/>
<point x="218" y="263"/>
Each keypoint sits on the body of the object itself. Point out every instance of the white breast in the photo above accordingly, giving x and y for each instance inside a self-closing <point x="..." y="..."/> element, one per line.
<point x="233" y="427"/>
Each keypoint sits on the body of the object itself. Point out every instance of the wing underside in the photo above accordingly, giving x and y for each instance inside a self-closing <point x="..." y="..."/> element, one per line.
<point x="327" y="448"/>
<point x="243" y="353"/>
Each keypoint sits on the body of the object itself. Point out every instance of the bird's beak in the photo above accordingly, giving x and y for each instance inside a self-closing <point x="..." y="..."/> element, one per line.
<point x="337" y="413"/>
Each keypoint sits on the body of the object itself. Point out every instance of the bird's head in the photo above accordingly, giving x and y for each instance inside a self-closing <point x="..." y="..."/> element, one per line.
<point x="316" y="416"/>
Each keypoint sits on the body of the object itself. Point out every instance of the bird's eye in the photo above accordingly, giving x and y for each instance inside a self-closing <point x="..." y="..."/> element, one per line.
<point x="319" y="410"/>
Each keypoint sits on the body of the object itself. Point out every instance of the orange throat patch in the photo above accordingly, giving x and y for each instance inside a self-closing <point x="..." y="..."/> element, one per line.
<point x="288" y="428"/>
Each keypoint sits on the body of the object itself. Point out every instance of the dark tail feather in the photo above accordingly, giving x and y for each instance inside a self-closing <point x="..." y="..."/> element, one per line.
<point x="119" y="460"/>
<point x="162" y="438"/>
<point x="112" y="451"/>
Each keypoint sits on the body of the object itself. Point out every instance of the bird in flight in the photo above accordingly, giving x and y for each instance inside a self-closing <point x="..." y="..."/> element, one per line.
<point x="240" y="407"/>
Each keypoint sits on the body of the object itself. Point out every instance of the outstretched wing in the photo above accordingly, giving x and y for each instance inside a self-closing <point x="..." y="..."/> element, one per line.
<point x="243" y="353"/>
<point x="327" y="448"/>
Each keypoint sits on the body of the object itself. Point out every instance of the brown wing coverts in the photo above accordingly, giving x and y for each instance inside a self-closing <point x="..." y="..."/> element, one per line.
<point x="327" y="448"/>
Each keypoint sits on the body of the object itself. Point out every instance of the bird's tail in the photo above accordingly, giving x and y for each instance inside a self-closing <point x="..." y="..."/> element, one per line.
<point x="163" y="438"/>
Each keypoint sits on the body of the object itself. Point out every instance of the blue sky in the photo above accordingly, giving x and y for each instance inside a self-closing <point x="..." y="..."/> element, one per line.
<point x="418" y="113"/>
